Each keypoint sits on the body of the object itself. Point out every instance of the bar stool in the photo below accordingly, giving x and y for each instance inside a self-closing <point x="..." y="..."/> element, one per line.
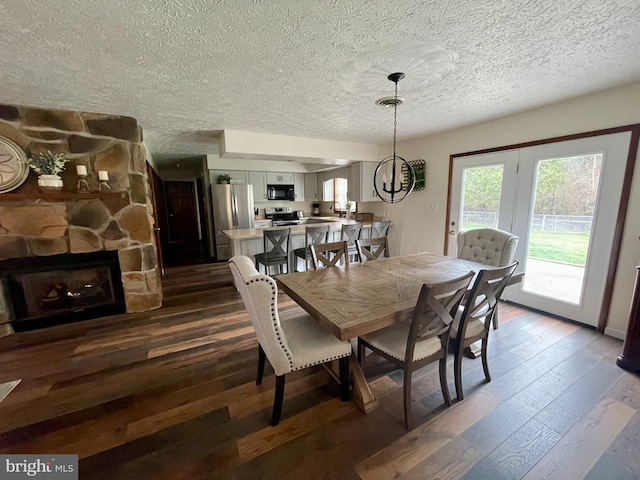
<point x="379" y="229"/>
<point x="351" y="233"/>
<point x="313" y="235"/>
<point x="277" y="245"/>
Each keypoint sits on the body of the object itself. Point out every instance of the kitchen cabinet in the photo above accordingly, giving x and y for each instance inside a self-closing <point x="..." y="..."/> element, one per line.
<point x="237" y="176"/>
<point x="298" y="186"/>
<point x="311" y="187"/>
<point x="277" y="178"/>
<point x="361" y="187"/>
<point x="327" y="187"/>
<point x="259" y="182"/>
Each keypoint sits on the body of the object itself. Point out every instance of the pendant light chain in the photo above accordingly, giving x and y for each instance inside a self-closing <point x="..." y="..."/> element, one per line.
<point x="395" y="120"/>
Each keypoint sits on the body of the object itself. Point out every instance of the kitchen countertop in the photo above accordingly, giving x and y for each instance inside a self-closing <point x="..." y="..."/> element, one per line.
<point x="251" y="233"/>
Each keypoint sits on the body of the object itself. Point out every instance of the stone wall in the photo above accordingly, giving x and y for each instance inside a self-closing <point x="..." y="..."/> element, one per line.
<point x="42" y="226"/>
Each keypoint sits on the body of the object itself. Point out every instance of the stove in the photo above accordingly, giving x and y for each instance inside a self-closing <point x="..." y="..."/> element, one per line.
<point x="282" y="216"/>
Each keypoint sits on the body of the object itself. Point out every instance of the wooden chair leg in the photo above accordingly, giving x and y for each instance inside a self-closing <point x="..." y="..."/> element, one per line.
<point x="345" y="379"/>
<point x="407" y="397"/>
<point x="457" y="372"/>
<point x="443" y="380"/>
<point x="361" y="354"/>
<point x="261" y="359"/>
<point x="277" y="400"/>
<point x="485" y="362"/>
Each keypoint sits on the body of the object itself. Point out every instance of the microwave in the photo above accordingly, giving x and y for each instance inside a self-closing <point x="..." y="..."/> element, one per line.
<point x="280" y="192"/>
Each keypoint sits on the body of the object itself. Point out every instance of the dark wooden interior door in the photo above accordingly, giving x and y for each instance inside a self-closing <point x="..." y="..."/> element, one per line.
<point x="160" y="230"/>
<point x="182" y="211"/>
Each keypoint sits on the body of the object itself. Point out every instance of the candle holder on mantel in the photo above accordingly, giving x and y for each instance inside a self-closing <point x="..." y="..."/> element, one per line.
<point x="103" y="177"/>
<point x="83" y="186"/>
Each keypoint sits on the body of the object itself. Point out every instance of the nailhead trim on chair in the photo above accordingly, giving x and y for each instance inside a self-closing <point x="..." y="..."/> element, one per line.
<point x="275" y="325"/>
<point x="320" y="362"/>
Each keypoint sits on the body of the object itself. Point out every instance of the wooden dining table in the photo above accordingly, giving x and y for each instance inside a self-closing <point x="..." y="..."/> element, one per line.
<point x="360" y="298"/>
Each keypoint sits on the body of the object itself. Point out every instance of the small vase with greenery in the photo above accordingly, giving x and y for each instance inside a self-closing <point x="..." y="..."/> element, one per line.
<point x="348" y="209"/>
<point x="48" y="165"/>
<point x="224" y="178"/>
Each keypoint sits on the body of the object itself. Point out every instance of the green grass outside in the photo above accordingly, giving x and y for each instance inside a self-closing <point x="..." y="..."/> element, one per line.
<point x="557" y="247"/>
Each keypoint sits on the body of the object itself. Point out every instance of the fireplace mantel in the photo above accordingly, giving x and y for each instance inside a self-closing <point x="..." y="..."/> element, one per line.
<point x="40" y="225"/>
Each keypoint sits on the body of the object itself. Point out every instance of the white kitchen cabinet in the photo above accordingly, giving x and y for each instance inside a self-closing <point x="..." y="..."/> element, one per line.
<point x="299" y="187"/>
<point x="252" y="247"/>
<point x="311" y="187"/>
<point x="327" y="187"/>
<point x="237" y="176"/>
<point x="361" y="187"/>
<point x="279" y="178"/>
<point x="259" y="182"/>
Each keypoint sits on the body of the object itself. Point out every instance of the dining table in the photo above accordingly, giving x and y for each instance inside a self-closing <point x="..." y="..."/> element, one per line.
<point x="359" y="298"/>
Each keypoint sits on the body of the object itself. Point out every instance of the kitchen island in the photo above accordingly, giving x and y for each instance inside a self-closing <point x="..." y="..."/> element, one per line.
<point x="248" y="241"/>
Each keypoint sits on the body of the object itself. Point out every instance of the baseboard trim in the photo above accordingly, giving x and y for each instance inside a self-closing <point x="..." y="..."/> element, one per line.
<point x="614" y="332"/>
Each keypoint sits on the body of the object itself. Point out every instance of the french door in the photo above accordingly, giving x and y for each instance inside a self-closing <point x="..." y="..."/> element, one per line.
<point x="562" y="200"/>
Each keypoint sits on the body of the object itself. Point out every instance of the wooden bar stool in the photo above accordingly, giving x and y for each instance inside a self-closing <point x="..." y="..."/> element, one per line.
<point x="313" y="235"/>
<point x="277" y="245"/>
<point x="351" y="233"/>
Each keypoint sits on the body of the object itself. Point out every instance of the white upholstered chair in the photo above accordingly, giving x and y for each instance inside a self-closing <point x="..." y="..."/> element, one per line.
<point x="292" y="344"/>
<point x="489" y="246"/>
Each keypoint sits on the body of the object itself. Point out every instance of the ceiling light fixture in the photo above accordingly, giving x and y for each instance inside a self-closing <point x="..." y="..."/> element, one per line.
<point x="394" y="173"/>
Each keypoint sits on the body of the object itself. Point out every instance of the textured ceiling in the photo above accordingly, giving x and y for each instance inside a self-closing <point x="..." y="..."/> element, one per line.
<point x="187" y="69"/>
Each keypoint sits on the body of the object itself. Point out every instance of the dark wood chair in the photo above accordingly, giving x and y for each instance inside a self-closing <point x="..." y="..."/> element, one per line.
<point x="372" y="248"/>
<point x="473" y="321"/>
<point x="277" y="245"/>
<point x="329" y="254"/>
<point x="313" y="235"/>
<point x="422" y="340"/>
<point x="290" y="344"/>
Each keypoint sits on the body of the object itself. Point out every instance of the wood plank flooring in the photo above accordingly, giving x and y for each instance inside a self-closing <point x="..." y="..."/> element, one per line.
<point x="170" y="394"/>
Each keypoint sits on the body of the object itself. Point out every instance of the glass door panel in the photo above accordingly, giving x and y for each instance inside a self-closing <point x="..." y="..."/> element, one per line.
<point x="567" y="206"/>
<point x="565" y="196"/>
<point x="482" y="193"/>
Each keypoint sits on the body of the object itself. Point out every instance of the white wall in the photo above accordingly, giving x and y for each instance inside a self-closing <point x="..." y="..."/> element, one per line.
<point x="419" y="220"/>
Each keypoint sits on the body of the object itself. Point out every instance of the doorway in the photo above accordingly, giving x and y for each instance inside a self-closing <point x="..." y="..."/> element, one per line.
<point x="185" y="217"/>
<point x="562" y="200"/>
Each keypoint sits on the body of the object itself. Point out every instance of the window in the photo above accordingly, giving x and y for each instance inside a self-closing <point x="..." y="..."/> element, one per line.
<point x="335" y="190"/>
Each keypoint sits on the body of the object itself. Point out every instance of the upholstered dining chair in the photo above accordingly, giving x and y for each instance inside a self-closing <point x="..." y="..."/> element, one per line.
<point x="372" y="248"/>
<point x="472" y="322"/>
<point x="292" y="344"/>
<point x="489" y="246"/>
<point x="329" y="254"/>
<point x="313" y="234"/>
<point x="379" y="229"/>
<point x="277" y="246"/>
<point x="423" y="339"/>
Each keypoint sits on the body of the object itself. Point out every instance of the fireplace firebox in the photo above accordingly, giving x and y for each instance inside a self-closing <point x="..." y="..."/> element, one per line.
<point x="46" y="291"/>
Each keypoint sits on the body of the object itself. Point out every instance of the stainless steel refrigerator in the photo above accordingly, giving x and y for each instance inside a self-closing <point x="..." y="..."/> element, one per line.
<point x="232" y="209"/>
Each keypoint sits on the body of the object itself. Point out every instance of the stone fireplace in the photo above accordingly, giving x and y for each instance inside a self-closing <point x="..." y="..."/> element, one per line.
<point x="39" y="225"/>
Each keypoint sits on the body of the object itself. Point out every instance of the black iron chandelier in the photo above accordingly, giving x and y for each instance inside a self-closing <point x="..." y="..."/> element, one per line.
<point x="394" y="177"/>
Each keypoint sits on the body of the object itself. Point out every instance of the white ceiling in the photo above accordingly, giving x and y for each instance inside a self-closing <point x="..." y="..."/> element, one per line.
<point x="187" y="69"/>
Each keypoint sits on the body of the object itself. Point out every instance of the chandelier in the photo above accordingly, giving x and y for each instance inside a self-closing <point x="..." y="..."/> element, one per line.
<point x="394" y="177"/>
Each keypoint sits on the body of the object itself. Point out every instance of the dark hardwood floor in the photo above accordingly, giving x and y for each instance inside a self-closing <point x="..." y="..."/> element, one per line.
<point x="170" y="394"/>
